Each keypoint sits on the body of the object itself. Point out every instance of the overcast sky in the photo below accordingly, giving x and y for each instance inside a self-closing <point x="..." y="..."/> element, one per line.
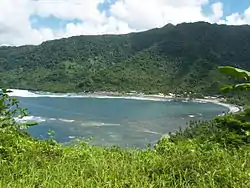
<point x="33" y="21"/>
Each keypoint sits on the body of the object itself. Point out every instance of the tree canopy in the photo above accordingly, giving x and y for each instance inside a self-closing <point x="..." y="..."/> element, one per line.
<point x="181" y="58"/>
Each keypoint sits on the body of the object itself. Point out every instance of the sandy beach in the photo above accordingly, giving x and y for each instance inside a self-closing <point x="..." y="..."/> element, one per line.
<point x="232" y="108"/>
<point x="132" y="95"/>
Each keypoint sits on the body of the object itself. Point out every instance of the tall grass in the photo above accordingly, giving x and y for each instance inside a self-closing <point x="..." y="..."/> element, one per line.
<point x="32" y="163"/>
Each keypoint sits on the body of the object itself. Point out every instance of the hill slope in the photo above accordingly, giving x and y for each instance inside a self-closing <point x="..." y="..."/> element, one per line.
<point x="169" y="59"/>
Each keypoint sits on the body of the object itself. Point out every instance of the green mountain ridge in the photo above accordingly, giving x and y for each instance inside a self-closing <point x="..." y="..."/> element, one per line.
<point x="181" y="58"/>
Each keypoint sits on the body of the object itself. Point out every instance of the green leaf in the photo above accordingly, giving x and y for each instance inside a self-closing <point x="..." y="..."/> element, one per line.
<point x="243" y="86"/>
<point x="235" y="72"/>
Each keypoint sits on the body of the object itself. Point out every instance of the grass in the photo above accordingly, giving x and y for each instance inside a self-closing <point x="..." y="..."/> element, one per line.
<point x="30" y="163"/>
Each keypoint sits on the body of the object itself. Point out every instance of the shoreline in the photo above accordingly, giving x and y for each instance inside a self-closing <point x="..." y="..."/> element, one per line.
<point x="131" y="96"/>
<point x="232" y="108"/>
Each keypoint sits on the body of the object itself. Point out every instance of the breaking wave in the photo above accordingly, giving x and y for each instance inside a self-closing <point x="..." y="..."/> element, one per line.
<point x="29" y="94"/>
<point x="37" y="119"/>
<point x="30" y="119"/>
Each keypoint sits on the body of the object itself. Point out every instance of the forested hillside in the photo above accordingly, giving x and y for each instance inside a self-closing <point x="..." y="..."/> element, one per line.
<point x="169" y="59"/>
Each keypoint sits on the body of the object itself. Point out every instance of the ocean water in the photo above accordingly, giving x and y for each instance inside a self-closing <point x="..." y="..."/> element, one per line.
<point x="112" y="121"/>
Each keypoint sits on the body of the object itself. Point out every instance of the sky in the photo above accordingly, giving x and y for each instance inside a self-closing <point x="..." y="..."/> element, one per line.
<point x="34" y="21"/>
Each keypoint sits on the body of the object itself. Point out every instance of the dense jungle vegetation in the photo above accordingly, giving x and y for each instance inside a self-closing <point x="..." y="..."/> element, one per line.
<point x="158" y="60"/>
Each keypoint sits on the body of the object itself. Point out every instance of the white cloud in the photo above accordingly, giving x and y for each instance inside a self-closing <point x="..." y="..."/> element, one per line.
<point x="111" y="26"/>
<point x="237" y="18"/>
<point x="145" y="14"/>
<point x="85" y="10"/>
<point x="15" y="25"/>
<point x="125" y="16"/>
<point x="217" y="9"/>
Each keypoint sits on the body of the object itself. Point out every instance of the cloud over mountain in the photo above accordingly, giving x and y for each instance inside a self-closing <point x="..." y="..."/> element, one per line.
<point x="103" y="16"/>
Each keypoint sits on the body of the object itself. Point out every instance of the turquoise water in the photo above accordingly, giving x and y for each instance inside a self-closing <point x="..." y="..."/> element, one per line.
<point x="119" y="122"/>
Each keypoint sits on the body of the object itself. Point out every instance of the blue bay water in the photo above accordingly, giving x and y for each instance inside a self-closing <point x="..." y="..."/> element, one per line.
<point x="119" y="122"/>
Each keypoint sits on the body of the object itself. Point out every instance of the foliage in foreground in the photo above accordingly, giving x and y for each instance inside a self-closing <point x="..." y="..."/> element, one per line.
<point x="237" y="93"/>
<point x="189" y="162"/>
<point x="30" y="163"/>
<point x="232" y="130"/>
<point x="236" y="73"/>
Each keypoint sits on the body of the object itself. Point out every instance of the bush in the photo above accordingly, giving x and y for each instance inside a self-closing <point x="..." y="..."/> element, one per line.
<point x="228" y="131"/>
